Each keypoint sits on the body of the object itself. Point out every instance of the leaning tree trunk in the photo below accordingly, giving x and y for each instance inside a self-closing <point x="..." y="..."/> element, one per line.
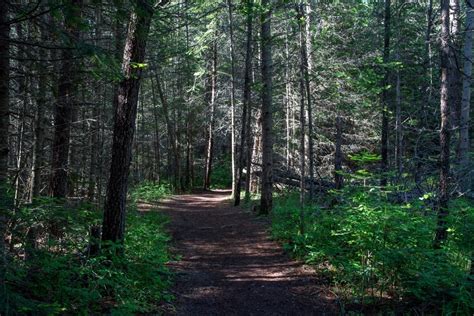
<point x="266" y="200"/>
<point x="64" y="106"/>
<point x="465" y="172"/>
<point x="5" y="201"/>
<point x="113" y="226"/>
<point x="444" y="135"/>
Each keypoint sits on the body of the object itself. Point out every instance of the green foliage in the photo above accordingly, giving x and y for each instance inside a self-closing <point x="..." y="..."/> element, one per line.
<point x="221" y="176"/>
<point x="59" y="276"/>
<point x="150" y="191"/>
<point x="372" y="247"/>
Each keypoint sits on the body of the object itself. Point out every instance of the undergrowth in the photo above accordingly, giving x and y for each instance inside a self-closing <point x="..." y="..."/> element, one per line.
<point x="374" y="249"/>
<point x="51" y="270"/>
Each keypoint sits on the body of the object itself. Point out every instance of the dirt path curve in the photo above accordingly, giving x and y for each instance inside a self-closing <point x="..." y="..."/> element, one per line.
<point x="229" y="265"/>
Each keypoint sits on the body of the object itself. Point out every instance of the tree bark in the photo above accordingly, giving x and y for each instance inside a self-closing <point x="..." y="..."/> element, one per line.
<point x="338" y="178"/>
<point x="113" y="226"/>
<point x="384" y="98"/>
<point x="266" y="200"/>
<point x="212" y="109"/>
<point x="303" y="64"/>
<point x="65" y="102"/>
<point x="465" y="172"/>
<point x="246" y="104"/>
<point x="444" y="139"/>
<point x="5" y="201"/>
<point x="232" y="96"/>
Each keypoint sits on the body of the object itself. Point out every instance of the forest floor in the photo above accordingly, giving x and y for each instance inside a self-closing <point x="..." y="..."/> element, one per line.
<point x="228" y="264"/>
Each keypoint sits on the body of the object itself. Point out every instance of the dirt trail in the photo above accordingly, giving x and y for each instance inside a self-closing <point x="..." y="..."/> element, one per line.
<point x="229" y="265"/>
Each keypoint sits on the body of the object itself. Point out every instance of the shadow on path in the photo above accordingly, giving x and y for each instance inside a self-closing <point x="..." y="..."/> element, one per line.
<point x="230" y="266"/>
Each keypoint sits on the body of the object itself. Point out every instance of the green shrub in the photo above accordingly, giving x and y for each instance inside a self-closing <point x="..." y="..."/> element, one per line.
<point x="59" y="277"/>
<point x="373" y="248"/>
<point x="150" y="191"/>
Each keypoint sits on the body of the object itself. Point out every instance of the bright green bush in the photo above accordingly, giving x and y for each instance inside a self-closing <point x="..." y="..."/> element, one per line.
<point x="60" y="277"/>
<point x="372" y="247"/>
<point x="150" y="191"/>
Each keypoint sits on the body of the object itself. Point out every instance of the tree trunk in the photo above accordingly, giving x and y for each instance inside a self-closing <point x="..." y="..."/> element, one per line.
<point x="338" y="178"/>
<point x="266" y="200"/>
<point x="398" y="127"/>
<point x="427" y="88"/>
<point x="246" y="104"/>
<point x="303" y="65"/>
<point x="113" y="226"/>
<point x="212" y="108"/>
<point x="305" y="43"/>
<point x="232" y="96"/>
<point x="441" y="230"/>
<point x="172" y="148"/>
<point x="384" y="99"/>
<point x="5" y="201"/>
<point x="64" y="106"/>
<point x="465" y="172"/>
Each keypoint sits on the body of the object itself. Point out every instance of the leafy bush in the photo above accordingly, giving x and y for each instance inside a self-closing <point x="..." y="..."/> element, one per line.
<point x="58" y="275"/>
<point x="374" y="248"/>
<point x="221" y="176"/>
<point x="150" y="191"/>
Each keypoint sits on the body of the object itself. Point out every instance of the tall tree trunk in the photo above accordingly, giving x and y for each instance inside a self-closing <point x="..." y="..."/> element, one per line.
<point x="113" y="226"/>
<point x="172" y="148"/>
<point x="5" y="201"/>
<point x="454" y="64"/>
<point x="212" y="109"/>
<point x="398" y="127"/>
<point x="384" y="98"/>
<point x="307" y="65"/>
<point x="338" y="178"/>
<point x="246" y="104"/>
<point x="303" y="65"/>
<point x="427" y="88"/>
<point x="157" y="160"/>
<point x="465" y="170"/>
<point x="64" y="105"/>
<point x="441" y="230"/>
<point x="232" y="96"/>
<point x="266" y="200"/>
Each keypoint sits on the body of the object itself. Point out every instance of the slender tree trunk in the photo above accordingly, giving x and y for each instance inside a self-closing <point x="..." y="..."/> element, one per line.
<point x="384" y="98"/>
<point x="441" y="231"/>
<point x="232" y="97"/>
<point x="428" y="90"/>
<point x="303" y="64"/>
<point x="157" y="144"/>
<point x="287" y="101"/>
<point x="465" y="172"/>
<point x="246" y="103"/>
<point x="455" y="79"/>
<point x="212" y="108"/>
<point x="338" y="178"/>
<point x="64" y="106"/>
<point x="307" y="65"/>
<point x="266" y="200"/>
<point x="172" y="148"/>
<point x="398" y="127"/>
<point x="5" y="200"/>
<point x="113" y="226"/>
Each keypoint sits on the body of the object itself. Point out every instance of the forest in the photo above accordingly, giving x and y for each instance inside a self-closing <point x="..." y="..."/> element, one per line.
<point x="236" y="157"/>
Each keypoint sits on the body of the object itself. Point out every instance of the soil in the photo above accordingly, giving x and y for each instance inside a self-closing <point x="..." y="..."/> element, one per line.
<point x="229" y="265"/>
